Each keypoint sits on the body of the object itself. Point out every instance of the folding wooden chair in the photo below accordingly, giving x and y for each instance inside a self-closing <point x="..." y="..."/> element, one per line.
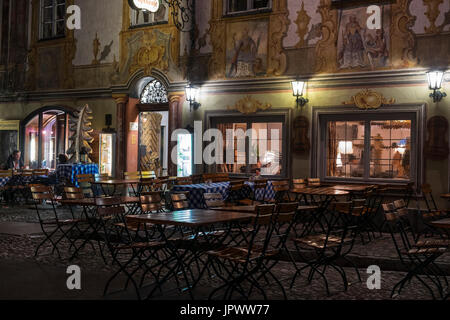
<point x="259" y="188"/>
<point x="417" y="256"/>
<point x="244" y="264"/>
<point x="40" y="172"/>
<point x="179" y="201"/>
<point x="85" y="183"/>
<point x="236" y="191"/>
<point x="54" y="228"/>
<point x="281" y="189"/>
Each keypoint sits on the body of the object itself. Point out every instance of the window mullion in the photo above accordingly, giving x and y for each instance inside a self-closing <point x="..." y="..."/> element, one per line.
<point x="367" y="154"/>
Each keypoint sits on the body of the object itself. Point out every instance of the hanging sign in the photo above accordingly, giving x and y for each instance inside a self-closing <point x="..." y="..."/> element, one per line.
<point x="147" y="5"/>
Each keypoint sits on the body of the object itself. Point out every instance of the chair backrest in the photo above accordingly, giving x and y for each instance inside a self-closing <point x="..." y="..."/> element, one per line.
<point x="286" y="212"/>
<point x="298" y="184"/>
<point x="134" y="175"/>
<point x="263" y="227"/>
<point x="41" y="193"/>
<point x="213" y="200"/>
<point x="281" y="189"/>
<point x="184" y="180"/>
<point x="73" y="193"/>
<point x="221" y="177"/>
<point x="148" y="174"/>
<point x="110" y="206"/>
<point x="146" y="185"/>
<point x="236" y="185"/>
<point x="196" y="178"/>
<point x="260" y="184"/>
<point x="85" y="178"/>
<point x="179" y="201"/>
<point x="313" y="182"/>
<point x="40" y="172"/>
<point x="358" y="202"/>
<point x="101" y="176"/>
<point x="6" y="173"/>
<point x="343" y="207"/>
<point x="399" y="204"/>
<point x="26" y="173"/>
<point x="151" y="202"/>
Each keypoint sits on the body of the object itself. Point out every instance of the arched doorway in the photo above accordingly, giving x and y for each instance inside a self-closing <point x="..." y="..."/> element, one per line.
<point x="153" y="109"/>
<point x="45" y="134"/>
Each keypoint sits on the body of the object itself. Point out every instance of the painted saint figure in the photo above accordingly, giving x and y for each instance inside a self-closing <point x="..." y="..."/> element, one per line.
<point x="352" y="54"/>
<point x="244" y="58"/>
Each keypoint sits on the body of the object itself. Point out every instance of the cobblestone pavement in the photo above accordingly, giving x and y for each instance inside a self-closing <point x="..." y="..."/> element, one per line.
<point x="20" y="250"/>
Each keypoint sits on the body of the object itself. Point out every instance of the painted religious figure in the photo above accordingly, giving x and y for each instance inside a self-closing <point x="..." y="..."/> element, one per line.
<point x="361" y="47"/>
<point x="246" y="49"/>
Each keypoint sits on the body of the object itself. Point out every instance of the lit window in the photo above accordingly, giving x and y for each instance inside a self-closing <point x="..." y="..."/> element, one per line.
<point x="256" y="144"/>
<point x="369" y="149"/>
<point x="52" y="19"/>
<point x="154" y="93"/>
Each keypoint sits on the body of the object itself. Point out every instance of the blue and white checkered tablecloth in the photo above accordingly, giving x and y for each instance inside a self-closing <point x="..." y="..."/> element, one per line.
<point x="70" y="171"/>
<point x="4" y="181"/>
<point x="196" y="191"/>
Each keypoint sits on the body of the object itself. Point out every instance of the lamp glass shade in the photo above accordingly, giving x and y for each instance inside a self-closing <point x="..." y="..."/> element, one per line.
<point x="435" y="79"/>
<point x="345" y="147"/>
<point x="192" y="93"/>
<point x="339" y="161"/>
<point x="298" y="87"/>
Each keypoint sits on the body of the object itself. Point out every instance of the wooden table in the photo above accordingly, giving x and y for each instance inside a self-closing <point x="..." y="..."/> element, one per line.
<point x="445" y="196"/>
<point x="191" y="218"/>
<point x="251" y="209"/>
<point x="114" y="183"/>
<point x="195" y="220"/>
<point x="352" y="187"/>
<point x="91" y="201"/>
<point x="443" y="223"/>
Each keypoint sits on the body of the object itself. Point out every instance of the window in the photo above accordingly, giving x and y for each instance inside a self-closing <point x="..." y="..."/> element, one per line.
<point x="46" y="136"/>
<point x="154" y="93"/>
<point x="52" y="19"/>
<point x="238" y="6"/>
<point x="143" y="18"/>
<point x="255" y="143"/>
<point x="379" y="146"/>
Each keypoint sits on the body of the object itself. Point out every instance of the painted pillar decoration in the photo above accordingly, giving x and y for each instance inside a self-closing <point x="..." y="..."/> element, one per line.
<point x="121" y="101"/>
<point x="174" y="123"/>
<point x="80" y="125"/>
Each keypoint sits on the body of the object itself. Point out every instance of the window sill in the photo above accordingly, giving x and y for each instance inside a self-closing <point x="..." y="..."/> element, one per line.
<point x="145" y="25"/>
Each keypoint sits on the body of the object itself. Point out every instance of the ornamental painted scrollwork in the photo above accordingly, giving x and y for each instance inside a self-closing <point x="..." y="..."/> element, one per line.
<point x="151" y="55"/>
<point x="248" y="105"/>
<point x="432" y="14"/>
<point x="326" y="48"/>
<point x="403" y="53"/>
<point x="368" y="99"/>
<point x="302" y="23"/>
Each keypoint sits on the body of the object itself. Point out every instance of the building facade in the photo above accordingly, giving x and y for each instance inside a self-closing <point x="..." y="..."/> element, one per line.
<point x="369" y="117"/>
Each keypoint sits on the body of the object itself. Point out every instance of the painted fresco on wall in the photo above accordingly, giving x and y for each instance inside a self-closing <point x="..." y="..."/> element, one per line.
<point x="359" y="46"/>
<point x="246" y="49"/>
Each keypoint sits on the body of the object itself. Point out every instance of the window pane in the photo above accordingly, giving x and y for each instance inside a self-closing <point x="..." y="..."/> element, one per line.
<point x="237" y="5"/>
<point x="47" y="30"/>
<point x="60" y="11"/>
<point x="234" y="144"/>
<point x="60" y="28"/>
<point x="345" y="149"/>
<point x="31" y="143"/>
<point x="390" y="149"/>
<point x="257" y="4"/>
<point x="266" y="146"/>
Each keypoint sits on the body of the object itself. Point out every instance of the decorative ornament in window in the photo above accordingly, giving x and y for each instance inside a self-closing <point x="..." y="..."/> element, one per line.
<point x="154" y="92"/>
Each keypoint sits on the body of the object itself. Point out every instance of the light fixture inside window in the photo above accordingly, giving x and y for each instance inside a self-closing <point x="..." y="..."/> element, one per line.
<point x="434" y="83"/>
<point x="192" y="96"/>
<point x="345" y="147"/>
<point x="298" y="88"/>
